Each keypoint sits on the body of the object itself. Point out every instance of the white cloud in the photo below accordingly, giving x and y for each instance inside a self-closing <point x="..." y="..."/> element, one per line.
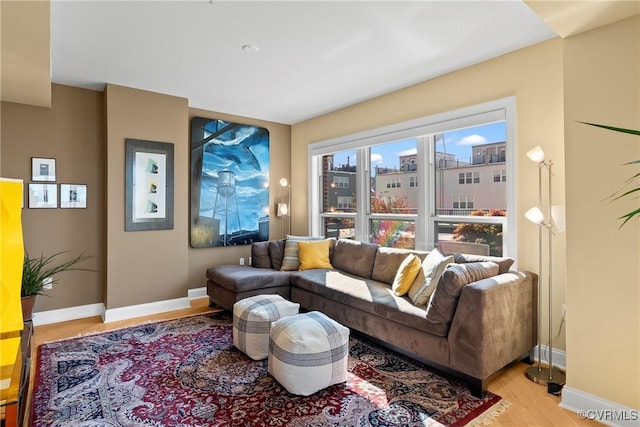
<point x="472" y="140"/>
<point x="408" y="152"/>
<point x="376" y="158"/>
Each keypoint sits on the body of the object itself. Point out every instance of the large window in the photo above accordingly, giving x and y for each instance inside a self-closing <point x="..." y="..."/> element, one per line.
<point x="365" y="186"/>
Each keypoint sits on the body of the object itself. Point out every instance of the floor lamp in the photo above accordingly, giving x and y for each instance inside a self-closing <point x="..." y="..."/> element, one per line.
<point x="551" y="376"/>
<point x="283" y="205"/>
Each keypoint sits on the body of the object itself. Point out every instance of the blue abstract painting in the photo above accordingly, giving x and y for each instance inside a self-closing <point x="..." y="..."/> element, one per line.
<point x="229" y="183"/>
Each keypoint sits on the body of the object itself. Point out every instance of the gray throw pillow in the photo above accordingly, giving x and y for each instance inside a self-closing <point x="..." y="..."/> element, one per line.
<point x="443" y="302"/>
<point x="504" y="263"/>
<point x="260" y="257"/>
<point x="276" y="252"/>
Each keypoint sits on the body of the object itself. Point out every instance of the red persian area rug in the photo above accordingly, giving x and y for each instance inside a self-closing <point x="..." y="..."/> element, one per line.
<point x="186" y="372"/>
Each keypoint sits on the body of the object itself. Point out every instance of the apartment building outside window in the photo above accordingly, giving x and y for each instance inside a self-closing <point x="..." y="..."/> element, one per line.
<point x="453" y="155"/>
<point x="341" y="181"/>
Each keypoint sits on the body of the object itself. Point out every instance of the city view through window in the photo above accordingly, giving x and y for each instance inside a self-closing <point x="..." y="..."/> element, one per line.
<point x="465" y="189"/>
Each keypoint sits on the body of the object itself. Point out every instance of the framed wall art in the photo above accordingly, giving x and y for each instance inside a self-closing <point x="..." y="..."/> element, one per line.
<point x="43" y="169"/>
<point x="43" y="196"/>
<point x="229" y="183"/>
<point x="73" y="196"/>
<point x="148" y="185"/>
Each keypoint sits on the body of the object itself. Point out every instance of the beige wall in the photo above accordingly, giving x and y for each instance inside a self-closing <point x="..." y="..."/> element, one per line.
<point x="72" y="132"/>
<point x="532" y="75"/>
<point x="145" y="266"/>
<point x="279" y="167"/>
<point x="135" y="267"/>
<point x="602" y="85"/>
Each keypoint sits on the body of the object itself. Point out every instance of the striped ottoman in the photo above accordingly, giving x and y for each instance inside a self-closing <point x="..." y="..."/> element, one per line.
<point x="308" y="352"/>
<point x="252" y="319"/>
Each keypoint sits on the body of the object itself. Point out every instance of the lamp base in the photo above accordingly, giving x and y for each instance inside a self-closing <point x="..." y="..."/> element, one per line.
<point x="541" y="375"/>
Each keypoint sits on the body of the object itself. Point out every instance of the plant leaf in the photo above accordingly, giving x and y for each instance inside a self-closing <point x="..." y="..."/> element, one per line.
<point x="613" y="128"/>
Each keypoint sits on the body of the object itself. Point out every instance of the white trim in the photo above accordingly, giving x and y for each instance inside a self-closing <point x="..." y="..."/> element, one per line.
<point x="588" y="406"/>
<point x="147" y="309"/>
<point x="559" y="356"/>
<point x="492" y="111"/>
<point x="121" y="313"/>
<point x="64" y="314"/>
<point x="196" y="293"/>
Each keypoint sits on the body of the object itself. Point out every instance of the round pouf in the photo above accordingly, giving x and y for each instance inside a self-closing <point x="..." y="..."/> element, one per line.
<point x="252" y="319"/>
<point x="308" y="352"/>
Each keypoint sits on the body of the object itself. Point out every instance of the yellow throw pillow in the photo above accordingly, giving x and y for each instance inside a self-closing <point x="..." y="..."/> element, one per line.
<point x="406" y="274"/>
<point x="314" y="254"/>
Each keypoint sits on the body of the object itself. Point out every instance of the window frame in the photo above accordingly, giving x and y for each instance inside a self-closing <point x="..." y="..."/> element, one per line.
<point x="425" y="129"/>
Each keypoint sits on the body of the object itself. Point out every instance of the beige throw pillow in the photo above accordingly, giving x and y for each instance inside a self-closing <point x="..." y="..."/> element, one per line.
<point x="428" y="276"/>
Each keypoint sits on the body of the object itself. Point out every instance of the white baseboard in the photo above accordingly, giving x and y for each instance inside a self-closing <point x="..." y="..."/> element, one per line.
<point x="588" y="406"/>
<point x="559" y="356"/>
<point x="147" y="309"/>
<point x="121" y="313"/>
<point x="196" y="293"/>
<point x="64" y="314"/>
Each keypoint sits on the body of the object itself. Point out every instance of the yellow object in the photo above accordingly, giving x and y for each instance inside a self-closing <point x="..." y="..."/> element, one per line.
<point x="314" y="254"/>
<point x="406" y="274"/>
<point x="9" y="350"/>
<point x="11" y="256"/>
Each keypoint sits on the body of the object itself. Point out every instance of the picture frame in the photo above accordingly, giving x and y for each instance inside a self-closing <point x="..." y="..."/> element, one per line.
<point x="43" y="196"/>
<point x="43" y="169"/>
<point x="149" y="184"/>
<point x="73" y="196"/>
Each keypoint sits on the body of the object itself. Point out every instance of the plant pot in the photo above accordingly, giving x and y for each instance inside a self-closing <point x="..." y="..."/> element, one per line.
<point x="27" y="307"/>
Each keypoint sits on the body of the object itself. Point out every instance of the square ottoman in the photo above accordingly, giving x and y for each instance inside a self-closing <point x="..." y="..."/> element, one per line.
<point x="308" y="352"/>
<point x="252" y="319"/>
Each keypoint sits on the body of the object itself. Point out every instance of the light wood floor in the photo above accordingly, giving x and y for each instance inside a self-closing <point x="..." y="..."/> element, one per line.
<point x="530" y="404"/>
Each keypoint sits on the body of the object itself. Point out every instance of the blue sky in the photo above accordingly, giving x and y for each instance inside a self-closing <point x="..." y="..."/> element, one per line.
<point x="459" y="143"/>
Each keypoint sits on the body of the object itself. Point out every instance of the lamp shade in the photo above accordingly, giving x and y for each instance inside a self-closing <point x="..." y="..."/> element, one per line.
<point x="535" y="215"/>
<point x="283" y="209"/>
<point x="536" y="154"/>
<point x="558" y="216"/>
<point x="284" y="182"/>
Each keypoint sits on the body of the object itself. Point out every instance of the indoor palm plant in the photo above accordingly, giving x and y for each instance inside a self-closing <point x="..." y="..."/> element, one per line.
<point x="631" y="186"/>
<point x="36" y="270"/>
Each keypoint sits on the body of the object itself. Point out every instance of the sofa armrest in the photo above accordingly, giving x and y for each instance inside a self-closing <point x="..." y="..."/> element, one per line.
<point x="494" y="323"/>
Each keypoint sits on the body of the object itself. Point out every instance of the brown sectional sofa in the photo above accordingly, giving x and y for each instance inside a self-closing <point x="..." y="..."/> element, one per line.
<point x="493" y="321"/>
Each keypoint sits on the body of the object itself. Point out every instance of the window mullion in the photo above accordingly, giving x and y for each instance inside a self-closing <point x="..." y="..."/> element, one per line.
<point x="363" y="203"/>
<point x="424" y="192"/>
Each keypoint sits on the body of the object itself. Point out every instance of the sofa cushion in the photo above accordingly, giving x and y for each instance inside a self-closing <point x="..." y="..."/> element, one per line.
<point x="314" y="254"/>
<point x="366" y="295"/>
<point x="406" y="275"/>
<point x="242" y="278"/>
<point x="387" y="263"/>
<point x="428" y="276"/>
<point x="504" y="263"/>
<point x="443" y="302"/>
<point x="276" y="252"/>
<point x="291" y="262"/>
<point x="354" y="257"/>
<point x="260" y="257"/>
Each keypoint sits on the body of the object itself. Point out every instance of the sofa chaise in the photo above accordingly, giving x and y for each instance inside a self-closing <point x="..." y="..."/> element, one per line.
<point x="479" y="319"/>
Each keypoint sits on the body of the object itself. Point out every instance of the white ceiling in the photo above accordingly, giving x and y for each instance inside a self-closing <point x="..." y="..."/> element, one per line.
<point x="313" y="57"/>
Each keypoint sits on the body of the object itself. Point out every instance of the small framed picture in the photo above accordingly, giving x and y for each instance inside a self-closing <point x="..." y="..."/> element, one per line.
<point x="43" y="169"/>
<point x="73" y="196"/>
<point x="43" y="196"/>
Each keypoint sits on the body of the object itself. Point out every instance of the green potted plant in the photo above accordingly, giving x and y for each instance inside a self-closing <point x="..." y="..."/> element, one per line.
<point x="631" y="186"/>
<point x="36" y="270"/>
